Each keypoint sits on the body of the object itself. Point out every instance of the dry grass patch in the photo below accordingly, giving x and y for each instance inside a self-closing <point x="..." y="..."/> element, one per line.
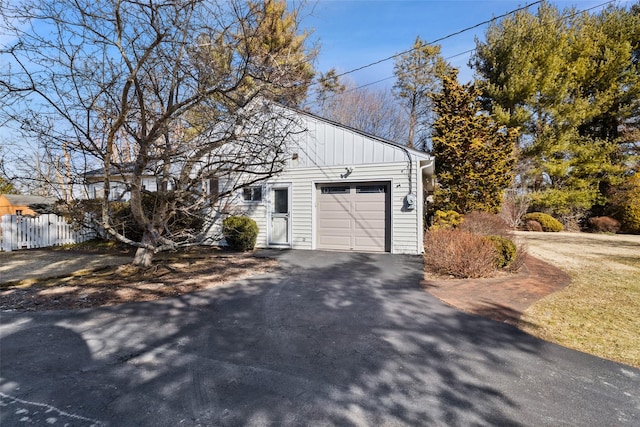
<point x="169" y="276"/>
<point x="598" y="312"/>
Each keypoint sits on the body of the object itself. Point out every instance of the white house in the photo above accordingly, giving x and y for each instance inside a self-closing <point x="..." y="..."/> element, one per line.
<point x="342" y="189"/>
<point x="118" y="185"/>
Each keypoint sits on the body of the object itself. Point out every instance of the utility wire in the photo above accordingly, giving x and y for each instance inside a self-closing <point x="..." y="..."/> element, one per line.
<point x="393" y="77"/>
<point x="448" y="36"/>
<point x="444" y="38"/>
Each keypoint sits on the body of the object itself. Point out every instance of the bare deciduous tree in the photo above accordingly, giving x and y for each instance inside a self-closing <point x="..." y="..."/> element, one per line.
<point x="172" y="87"/>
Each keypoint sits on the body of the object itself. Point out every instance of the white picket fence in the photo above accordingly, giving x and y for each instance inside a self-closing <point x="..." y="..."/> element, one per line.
<point x="21" y="232"/>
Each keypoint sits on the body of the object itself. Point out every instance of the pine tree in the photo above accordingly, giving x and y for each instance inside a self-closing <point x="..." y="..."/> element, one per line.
<point x="6" y="187"/>
<point x="280" y="59"/>
<point x="474" y="155"/>
<point x="418" y="73"/>
<point x="571" y="81"/>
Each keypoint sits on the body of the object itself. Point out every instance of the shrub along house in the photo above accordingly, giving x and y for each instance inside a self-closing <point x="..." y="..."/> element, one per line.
<point x="341" y="189"/>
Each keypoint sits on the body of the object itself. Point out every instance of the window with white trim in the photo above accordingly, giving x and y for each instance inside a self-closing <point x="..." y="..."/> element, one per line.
<point x="252" y="194"/>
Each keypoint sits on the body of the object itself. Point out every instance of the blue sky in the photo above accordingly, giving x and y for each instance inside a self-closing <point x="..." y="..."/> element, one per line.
<point x="353" y="33"/>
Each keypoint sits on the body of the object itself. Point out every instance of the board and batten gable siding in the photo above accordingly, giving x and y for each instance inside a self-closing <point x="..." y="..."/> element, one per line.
<point x="325" y="144"/>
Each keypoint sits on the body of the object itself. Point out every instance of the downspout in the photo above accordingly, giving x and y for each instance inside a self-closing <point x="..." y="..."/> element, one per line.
<point x="422" y="208"/>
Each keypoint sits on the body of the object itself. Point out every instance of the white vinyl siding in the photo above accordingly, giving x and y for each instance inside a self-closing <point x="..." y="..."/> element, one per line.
<point x="327" y="153"/>
<point x="404" y="224"/>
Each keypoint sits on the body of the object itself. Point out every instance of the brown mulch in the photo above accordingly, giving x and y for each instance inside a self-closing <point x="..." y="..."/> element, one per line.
<point x="502" y="298"/>
<point x="171" y="275"/>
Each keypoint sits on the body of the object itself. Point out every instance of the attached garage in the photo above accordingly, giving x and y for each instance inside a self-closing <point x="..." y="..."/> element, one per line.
<point x="341" y="189"/>
<point x="354" y="216"/>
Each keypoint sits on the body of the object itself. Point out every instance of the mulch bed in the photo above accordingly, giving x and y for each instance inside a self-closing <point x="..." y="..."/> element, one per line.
<point x="171" y="275"/>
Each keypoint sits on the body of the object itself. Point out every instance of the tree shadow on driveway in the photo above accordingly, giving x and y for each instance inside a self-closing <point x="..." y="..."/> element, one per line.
<point x="330" y="339"/>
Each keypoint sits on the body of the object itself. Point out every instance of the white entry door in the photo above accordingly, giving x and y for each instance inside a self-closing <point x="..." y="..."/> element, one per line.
<point x="280" y="216"/>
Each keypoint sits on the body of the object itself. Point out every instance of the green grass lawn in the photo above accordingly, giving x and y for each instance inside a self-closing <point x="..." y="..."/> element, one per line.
<point x="599" y="312"/>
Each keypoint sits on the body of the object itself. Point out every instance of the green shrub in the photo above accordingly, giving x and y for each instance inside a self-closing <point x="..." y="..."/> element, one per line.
<point x="631" y="217"/>
<point x="446" y="220"/>
<point x="547" y="222"/>
<point x="624" y="204"/>
<point x="485" y="224"/>
<point x="531" y="225"/>
<point x="604" y="224"/>
<point x="505" y="250"/>
<point x="459" y="253"/>
<point x="240" y="232"/>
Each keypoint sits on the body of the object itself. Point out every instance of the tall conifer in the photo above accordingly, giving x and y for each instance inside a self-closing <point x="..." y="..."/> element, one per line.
<point x="474" y="155"/>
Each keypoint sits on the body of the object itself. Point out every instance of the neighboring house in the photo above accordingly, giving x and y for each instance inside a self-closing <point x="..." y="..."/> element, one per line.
<point x="342" y="189"/>
<point x="16" y="204"/>
<point x="118" y="180"/>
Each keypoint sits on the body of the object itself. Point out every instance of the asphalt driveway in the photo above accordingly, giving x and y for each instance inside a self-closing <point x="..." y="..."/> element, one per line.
<point x="330" y="339"/>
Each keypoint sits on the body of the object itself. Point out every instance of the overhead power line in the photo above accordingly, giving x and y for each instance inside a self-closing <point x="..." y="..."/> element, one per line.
<point x="447" y="37"/>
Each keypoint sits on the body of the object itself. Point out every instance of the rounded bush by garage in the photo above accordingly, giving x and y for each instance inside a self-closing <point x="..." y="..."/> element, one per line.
<point x="547" y="222"/>
<point x="240" y="232"/>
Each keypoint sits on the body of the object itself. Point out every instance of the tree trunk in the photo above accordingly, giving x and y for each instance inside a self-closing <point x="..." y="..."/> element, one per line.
<point x="412" y="124"/>
<point x="144" y="256"/>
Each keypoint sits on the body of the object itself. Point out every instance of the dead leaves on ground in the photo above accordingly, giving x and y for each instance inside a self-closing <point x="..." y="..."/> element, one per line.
<point x="168" y="277"/>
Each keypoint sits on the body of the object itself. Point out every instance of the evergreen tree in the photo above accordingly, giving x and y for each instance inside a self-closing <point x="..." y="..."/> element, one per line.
<point x="6" y="187"/>
<point x="571" y="81"/>
<point x="474" y="155"/>
<point x="418" y="73"/>
<point x="277" y="53"/>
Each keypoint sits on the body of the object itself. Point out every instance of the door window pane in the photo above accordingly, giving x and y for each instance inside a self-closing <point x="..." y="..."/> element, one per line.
<point x="335" y="190"/>
<point x="371" y="189"/>
<point x="281" y="200"/>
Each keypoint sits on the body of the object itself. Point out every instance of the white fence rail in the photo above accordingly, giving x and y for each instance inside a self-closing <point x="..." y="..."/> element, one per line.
<point x="20" y="232"/>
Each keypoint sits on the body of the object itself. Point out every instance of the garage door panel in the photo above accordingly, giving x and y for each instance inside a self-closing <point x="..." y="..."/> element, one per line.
<point x="331" y="202"/>
<point x="334" y="214"/>
<point x="354" y="217"/>
<point x="370" y="208"/>
<point x="334" y="242"/>
<point x="372" y="226"/>
<point x="369" y="244"/>
<point x="338" y="223"/>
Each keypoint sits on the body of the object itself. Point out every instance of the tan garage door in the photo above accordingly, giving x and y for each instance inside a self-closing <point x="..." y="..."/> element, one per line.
<point x="353" y="217"/>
